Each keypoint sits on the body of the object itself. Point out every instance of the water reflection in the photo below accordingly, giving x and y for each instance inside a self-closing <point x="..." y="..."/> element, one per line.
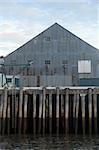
<point x="49" y="143"/>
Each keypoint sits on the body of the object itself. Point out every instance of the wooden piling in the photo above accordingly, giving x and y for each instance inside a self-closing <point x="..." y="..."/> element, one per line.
<point x="20" y="110"/>
<point x="4" y="110"/>
<point x="77" y="109"/>
<point x="57" y="110"/>
<point x="74" y="109"/>
<point x="95" y="110"/>
<point x="50" y="112"/>
<point x="15" y="110"/>
<point x="1" y="110"/>
<point x="90" y="110"/>
<point x="34" y="112"/>
<point x="44" y="99"/>
<point x="25" y="113"/>
<point x="67" y="111"/>
<point x="83" y="112"/>
<point x="40" y="111"/>
<point x="8" y="116"/>
<point x="62" y="115"/>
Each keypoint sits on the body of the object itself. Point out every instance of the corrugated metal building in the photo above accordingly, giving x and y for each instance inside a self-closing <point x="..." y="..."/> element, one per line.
<point x="55" y="57"/>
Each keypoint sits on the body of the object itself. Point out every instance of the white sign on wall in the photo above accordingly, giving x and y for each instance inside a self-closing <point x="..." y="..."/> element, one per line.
<point x="84" y="66"/>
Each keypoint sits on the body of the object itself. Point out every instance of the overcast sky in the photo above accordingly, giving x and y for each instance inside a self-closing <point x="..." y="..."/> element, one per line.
<point x="21" y="20"/>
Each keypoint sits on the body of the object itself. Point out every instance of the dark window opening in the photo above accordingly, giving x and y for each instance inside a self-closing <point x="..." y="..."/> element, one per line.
<point x="47" y="38"/>
<point x="17" y="82"/>
<point x="47" y="61"/>
<point x="64" y="62"/>
<point x="8" y="80"/>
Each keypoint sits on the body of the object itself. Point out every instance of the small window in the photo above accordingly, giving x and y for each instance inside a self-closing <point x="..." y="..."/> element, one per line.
<point x="13" y="61"/>
<point x="47" y="38"/>
<point x="65" y="69"/>
<point x="30" y="61"/>
<point x="47" y="61"/>
<point x="64" y="62"/>
<point x="8" y="80"/>
<point x="17" y="82"/>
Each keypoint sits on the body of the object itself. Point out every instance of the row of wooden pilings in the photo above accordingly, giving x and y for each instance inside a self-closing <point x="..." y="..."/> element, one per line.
<point x="49" y="110"/>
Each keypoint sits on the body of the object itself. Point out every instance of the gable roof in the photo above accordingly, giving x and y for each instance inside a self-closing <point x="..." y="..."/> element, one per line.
<point x="55" y="24"/>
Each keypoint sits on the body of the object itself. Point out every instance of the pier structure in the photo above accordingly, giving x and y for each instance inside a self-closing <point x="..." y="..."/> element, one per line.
<point x="49" y="110"/>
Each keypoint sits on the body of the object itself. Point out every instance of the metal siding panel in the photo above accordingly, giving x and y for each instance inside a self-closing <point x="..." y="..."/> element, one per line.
<point x="89" y="82"/>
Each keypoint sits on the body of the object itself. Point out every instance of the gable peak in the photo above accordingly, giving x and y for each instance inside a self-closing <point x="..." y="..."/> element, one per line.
<point x="56" y="24"/>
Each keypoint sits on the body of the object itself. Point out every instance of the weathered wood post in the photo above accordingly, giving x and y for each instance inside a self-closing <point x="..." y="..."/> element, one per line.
<point x="16" y="109"/>
<point x="74" y="109"/>
<point x="46" y="113"/>
<point x="57" y="110"/>
<point x="50" y="111"/>
<point x="77" y="109"/>
<point x="8" y="116"/>
<point x="62" y="113"/>
<point x="62" y="105"/>
<point x="90" y="110"/>
<point x="13" y="109"/>
<point x="83" y="111"/>
<point x="40" y="111"/>
<point x="67" y="111"/>
<point x="44" y="99"/>
<point x="4" y="110"/>
<point x="0" y="112"/>
<point x="25" y="112"/>
<point x="95" y="109"/>
<point x="20" y="110"/>
<point x="1" y="109"/>
<point x="34" y="112"/>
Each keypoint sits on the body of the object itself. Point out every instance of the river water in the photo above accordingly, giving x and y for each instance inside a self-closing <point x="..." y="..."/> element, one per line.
<point x="49" y="143"/>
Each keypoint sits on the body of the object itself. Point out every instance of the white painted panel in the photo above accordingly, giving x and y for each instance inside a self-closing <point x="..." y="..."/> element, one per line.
<point x="84" y="66"/>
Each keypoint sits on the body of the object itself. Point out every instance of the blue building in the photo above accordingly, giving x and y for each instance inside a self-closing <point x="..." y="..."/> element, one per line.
<point x="55" y="57"/>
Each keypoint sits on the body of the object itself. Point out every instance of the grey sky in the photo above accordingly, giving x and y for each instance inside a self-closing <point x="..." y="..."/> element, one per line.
<point x="21" y="20"/>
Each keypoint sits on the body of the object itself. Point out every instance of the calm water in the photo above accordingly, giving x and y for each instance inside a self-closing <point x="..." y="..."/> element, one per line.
<point x="49" y="143"/>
